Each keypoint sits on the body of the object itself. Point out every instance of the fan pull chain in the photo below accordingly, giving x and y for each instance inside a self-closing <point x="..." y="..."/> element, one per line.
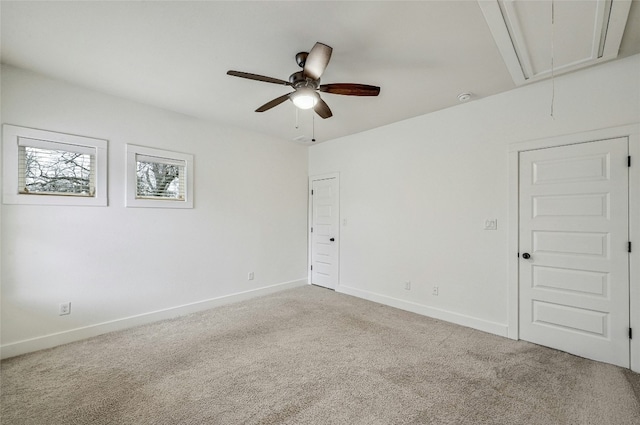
<point x="297" y="123"/>
<point x="313" y="127"/>
<point x="553" y="80"/>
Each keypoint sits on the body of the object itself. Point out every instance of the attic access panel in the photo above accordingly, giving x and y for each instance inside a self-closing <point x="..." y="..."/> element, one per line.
<point x="584" y="33"/>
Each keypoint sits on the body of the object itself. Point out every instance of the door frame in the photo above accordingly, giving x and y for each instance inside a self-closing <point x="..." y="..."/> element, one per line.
<point x="310" y="222"/>
<point x="632" y="132"/>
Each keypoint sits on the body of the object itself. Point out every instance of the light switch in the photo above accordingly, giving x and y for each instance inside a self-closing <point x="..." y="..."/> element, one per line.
<point x="491" y="224"/>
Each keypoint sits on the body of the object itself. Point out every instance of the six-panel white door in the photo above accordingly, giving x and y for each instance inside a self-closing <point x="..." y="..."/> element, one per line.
<point x="324" y="235"/>
<point x="574" y="287"/>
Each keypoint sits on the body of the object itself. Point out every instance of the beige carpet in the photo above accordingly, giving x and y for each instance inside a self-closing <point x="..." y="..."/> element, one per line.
<point x="311" y="356"/>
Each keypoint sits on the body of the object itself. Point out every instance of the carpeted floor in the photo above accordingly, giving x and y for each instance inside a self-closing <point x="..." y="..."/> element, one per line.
<point x="312" y="356"/>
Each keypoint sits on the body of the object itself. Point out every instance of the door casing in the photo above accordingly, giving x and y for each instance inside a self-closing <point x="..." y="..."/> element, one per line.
<point x="632" y="132"/>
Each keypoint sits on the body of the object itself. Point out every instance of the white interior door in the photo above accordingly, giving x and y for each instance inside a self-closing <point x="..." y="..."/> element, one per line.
<point x="574" y="242"/>
<point x="324" y="232"/>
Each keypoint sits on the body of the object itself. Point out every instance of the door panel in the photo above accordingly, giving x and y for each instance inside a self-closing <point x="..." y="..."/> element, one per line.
<point x="324" y="251"/>
<point x="577" y="169"/>
<point x="574" y="288"/>
<point x="568" y="280"/>
<point x="571" y="243"/>
<point x="593" y="205"/>
<point x="570" y="318"/>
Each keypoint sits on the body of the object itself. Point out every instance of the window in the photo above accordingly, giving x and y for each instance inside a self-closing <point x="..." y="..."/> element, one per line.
<point x="158" y="178"/>
<point x="47" y="168"/>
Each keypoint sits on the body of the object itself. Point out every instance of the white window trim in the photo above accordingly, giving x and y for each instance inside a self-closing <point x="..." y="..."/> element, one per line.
<point x="131" y="179"/>
<point x="10" y="194"/>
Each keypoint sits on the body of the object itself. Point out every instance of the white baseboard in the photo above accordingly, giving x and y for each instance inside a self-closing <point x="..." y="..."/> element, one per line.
<point x="436" y="313"/>
<point x="53" y="340"/>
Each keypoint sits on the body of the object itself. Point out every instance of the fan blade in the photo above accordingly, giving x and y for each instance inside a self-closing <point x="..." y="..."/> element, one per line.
<point x="322" y="109"/>
<point x="258" y="77"/>
<point x="317" y="61"/>
<point x="349" y="89"/>
<point x="272" y="103"/>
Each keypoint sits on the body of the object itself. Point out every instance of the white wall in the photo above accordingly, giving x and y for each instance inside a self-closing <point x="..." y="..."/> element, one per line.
<point x="113" y="262"/>
<point x="416" y="193"/>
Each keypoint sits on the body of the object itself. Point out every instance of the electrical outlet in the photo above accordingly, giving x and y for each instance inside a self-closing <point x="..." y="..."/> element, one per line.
<point x="250" y="276"/>
<point x="407" y="285"/>
<point x="64" y="308"/>
<point x="435" y="290"/>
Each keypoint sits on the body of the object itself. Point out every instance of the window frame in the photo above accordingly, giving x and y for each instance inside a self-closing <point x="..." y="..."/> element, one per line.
<point x="131" y="178"/>
<point x="11" y="135"/>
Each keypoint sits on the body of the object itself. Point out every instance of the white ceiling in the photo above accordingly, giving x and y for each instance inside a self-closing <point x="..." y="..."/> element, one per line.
<point x="175" y="55"/>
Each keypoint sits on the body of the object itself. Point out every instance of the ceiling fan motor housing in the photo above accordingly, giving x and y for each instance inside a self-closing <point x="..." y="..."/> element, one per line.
<point x="298" y="80"/>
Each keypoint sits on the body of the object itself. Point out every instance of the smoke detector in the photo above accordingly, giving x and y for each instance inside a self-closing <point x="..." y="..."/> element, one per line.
<point x="463" y="97"/>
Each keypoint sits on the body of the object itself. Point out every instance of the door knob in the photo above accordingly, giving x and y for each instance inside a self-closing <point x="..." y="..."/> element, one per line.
<point x="332" y="239"/>
<point x="526" y="256"/>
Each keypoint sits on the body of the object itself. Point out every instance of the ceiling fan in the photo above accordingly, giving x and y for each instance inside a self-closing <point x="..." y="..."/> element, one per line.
<point x="306" y="83"/>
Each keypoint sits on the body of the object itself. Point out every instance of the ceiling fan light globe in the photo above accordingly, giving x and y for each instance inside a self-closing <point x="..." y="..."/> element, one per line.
<point x="304" y="98"/>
